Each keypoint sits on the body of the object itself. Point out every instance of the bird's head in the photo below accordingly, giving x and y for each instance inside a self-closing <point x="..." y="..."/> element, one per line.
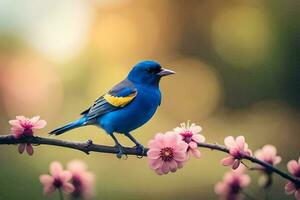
<point x="148" y="72"/>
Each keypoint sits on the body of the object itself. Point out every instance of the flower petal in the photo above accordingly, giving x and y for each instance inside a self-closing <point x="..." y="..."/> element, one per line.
<point x="173" y="166"/>
<point x="180" y="156"/>
<point x="181" y="146"/>
<point x="228" y="161"/>
<point x="40" y="124"/>
<point x="290" y="188"/>
<point x="240" y="141"/>
<point x="165" y="168"/>
<point x="21" y="118"/>
<point x="171" y="139"/>
<point x="29" y="149"/>
<point x="159" y="141"/>
<point x="229" y="142"/>
<point x="159" y="171"/>
<point x="68" y="188"/>
<point x="244" y="180"/>
<point x="14" y="123"/>
<point x="195" y="129"/>
<point x="292" y="166"/>
<point x="221" y="188"/>
<point x="270" y="150"/>
<point x="55" y="168"/>
<point x="21" y="148"/>
<point x="196" y="153"/>
<point x="193" y="145"/>
<point x="297" y="195"/>
<point x="153" y="154"/>
<point x="46" y="180"/>
<point x="65" y="176"/>
<point x="235" y="152"/>
<point x="180" y="165"/>
<point x="49" y="189"/>
<point x="198" y="138"/>
<point x="277" y="160"/>
<point x="156" y="163"/>
<point x="17" y="132"/>
<point x="236" y="164"/>
<point x="179" y="130"/>
<point x="34" y="119"/>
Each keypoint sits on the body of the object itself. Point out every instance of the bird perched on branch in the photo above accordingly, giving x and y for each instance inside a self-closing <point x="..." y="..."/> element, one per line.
<point x="127" y="106"/>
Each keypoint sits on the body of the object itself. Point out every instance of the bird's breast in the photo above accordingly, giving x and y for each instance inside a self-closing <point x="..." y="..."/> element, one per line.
<point x="133" y="115"/>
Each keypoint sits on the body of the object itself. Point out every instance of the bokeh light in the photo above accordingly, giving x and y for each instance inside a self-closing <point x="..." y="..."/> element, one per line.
<point x="242" y="35"/>
<point x="28" y="89"/>
<point x="199" y="77"/>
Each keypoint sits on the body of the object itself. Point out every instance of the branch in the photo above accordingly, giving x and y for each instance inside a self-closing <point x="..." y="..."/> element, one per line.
<point x="269" y="167"/>
<point x="85" y="147"/>
<point x="88" y="147"/>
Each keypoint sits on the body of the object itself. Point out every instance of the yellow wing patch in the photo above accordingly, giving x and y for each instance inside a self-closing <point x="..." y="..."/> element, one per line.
<point x="119" y="101"/>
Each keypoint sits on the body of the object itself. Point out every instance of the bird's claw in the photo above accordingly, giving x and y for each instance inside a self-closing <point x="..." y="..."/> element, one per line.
<point x="140" y="149"/>
<point x="121" y="152"/>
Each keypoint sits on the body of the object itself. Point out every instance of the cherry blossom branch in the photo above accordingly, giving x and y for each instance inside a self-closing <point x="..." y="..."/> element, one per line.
<point x="88" y="147"/>
<point x="253" y="160"/>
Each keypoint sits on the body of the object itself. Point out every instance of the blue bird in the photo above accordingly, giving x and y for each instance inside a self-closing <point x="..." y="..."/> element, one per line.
<point x="127" y="106"/>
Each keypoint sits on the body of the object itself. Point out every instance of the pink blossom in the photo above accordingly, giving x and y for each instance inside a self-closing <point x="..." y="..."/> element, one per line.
<point x="82" y="179"/>
<point x="294" y="168"/>
<point x="233" y="183"/>
<point x="167" y="152"/>
<point x="190" y="135"/>
<point x="23" y="126"/>
<point x="59" y="179"/>
<point x="267" y="154"/>
<point x="238" y="148"/>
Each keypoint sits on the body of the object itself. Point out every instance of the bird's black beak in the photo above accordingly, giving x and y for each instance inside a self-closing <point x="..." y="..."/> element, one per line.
<point x="165" y="72"/>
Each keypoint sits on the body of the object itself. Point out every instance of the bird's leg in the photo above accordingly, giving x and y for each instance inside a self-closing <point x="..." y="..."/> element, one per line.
<point x="139" y="147"/>
<point x="119" y="146"/>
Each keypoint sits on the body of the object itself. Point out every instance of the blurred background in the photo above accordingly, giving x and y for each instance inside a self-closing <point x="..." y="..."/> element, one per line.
<point x="237" y="65"/>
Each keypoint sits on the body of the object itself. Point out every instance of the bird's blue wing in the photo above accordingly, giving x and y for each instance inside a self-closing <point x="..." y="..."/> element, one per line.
<point x="118" y="97"/>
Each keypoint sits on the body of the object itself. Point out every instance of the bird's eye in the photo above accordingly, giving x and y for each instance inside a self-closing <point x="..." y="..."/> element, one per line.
<point x="152" y="70"/>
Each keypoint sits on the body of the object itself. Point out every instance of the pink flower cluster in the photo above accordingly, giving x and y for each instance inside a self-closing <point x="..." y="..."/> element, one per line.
<point x="238" y="148"/>
<point x="23" y="126"/>
<point x="269" y="155"/>
<point x="82" y="179"/>
<point x="190" y="135"/>
<point x="58" y="179"/>
<point x="76" y="181"/>
<point x="232" y="185"/>
<point x="294" y="168"/>
<point x="169" y="152"/>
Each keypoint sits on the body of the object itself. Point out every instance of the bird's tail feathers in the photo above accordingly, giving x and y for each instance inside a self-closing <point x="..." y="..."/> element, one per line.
<point x="68" y="127"/>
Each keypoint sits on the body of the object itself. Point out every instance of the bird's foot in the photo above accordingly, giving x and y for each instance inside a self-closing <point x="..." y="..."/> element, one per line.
<point x="121" y="151"/>
<point x="140" y="149"/>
